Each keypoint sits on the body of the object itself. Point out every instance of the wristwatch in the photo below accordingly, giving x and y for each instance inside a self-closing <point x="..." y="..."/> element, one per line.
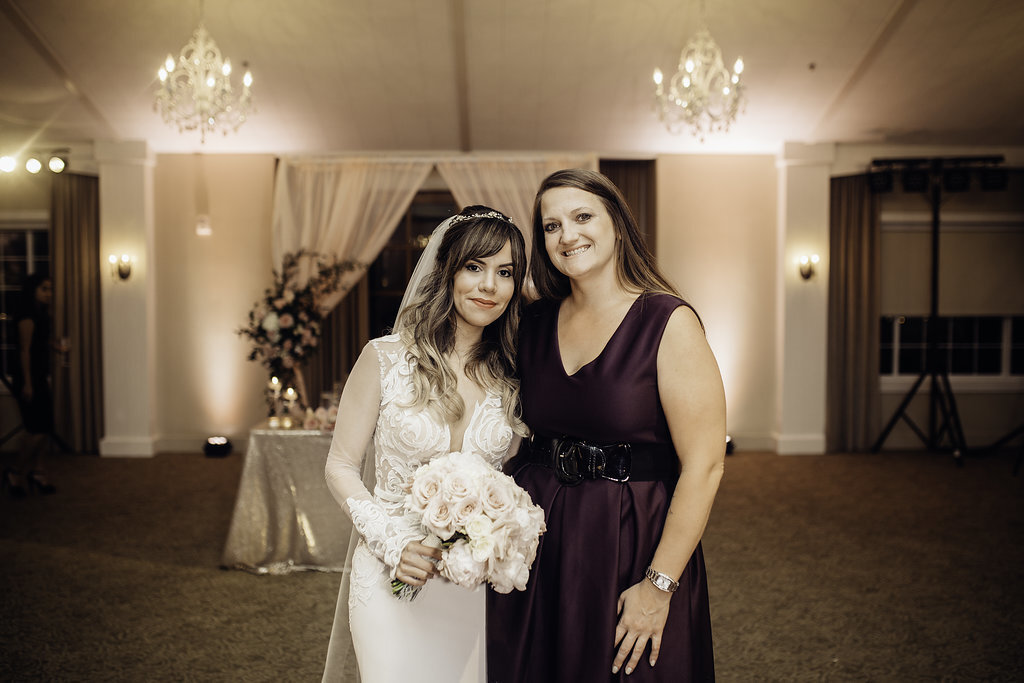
<point x="662" y="582"/>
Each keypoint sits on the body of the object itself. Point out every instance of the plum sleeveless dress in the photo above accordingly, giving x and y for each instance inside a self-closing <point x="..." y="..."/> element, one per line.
<point x="601" y="535"/>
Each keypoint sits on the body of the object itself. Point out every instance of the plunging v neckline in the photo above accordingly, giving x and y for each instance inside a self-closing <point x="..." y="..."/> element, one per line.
<point x="558" y="342"/>
<point x="478" y="406"/>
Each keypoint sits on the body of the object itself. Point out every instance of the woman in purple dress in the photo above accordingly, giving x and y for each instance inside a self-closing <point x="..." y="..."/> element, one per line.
<point x="626" y="405"/>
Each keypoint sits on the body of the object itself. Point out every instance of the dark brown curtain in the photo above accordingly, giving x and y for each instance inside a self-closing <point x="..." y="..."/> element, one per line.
<point x="346" y="329"/>
<point x="77" y="268"/>
<point x="853" y="395"/>
<point x="635" y="179"/>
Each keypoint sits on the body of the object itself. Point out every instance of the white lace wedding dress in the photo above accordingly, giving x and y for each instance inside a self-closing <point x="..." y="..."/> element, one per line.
<point x="439" y="636"/>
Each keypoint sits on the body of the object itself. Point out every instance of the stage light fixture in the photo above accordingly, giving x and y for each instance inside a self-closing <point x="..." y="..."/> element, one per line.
<point x="7" y="164"/>
<point x="880" y="181"/>
<point x="994" y="179"/>
<point x="217" y="447"/>
<point x="915" y="180"/>
<point x="956" y="180"/>
<point x="33" y="165"/>
<point x="57" y="164"/>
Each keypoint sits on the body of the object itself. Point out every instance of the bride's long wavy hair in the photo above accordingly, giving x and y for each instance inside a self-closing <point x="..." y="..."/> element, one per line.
<point x="427" y="325"/>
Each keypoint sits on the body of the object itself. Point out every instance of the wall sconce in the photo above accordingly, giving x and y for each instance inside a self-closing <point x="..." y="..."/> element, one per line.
<point x="807" y="263"/>
<point x="120" y="268"/>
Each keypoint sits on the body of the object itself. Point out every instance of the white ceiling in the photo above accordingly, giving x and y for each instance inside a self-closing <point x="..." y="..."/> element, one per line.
<point x="409" y="75"/>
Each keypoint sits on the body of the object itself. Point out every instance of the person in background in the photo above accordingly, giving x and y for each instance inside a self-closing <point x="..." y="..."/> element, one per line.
<point x="31" y="382"/>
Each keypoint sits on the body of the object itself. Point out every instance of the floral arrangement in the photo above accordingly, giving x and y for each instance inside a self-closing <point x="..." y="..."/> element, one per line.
<point x="487" y="526"/>
<point x="284" y="326"/>
<point x="321" y="418"/>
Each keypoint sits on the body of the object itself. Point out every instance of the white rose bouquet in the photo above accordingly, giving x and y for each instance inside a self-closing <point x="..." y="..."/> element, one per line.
<point x="486" y="525"/>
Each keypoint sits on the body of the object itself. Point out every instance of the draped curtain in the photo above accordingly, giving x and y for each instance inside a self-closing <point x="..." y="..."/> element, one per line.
<point x="853" y="392"/>
<point x="507" y="184"/>
<point x="346" y="208"/>
<point x="78" y="385"/>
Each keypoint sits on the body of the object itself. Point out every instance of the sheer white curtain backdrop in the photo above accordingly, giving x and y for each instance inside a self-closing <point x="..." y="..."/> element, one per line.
<point x="346" y="208"/>
<point x="506" y="183"/>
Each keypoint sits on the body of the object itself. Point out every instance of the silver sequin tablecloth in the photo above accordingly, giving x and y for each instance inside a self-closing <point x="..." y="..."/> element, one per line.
<point x="285" y="519"/>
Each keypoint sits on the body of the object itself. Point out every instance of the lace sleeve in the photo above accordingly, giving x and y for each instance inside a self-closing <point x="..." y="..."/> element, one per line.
<point x="386" y="536"/>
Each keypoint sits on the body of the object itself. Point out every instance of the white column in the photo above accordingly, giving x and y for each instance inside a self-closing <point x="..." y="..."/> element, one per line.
<point x="802" y="344"/>
<point x="126" y="227"/>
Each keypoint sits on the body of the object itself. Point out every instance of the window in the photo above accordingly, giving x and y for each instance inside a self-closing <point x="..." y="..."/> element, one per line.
<point x="989" y="346"/>
<point x="390" y="273"/>
<point x="24" y="249"/>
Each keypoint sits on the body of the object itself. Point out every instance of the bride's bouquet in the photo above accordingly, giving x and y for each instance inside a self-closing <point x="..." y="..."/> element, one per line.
<point x="487" y="526"/>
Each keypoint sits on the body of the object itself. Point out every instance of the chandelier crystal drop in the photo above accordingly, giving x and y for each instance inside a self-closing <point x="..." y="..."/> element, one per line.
<point x="702" y="95"/>
<point x="195" y="91"/>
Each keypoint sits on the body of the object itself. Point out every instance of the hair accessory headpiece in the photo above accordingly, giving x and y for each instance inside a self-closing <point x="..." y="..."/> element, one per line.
<point x="458" y="218"/>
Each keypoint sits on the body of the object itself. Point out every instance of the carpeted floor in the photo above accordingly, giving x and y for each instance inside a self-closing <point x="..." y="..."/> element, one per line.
<point x="893" y="567"/>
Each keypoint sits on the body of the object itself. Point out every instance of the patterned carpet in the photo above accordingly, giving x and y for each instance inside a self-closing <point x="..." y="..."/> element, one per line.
<point x="894" y="567"/>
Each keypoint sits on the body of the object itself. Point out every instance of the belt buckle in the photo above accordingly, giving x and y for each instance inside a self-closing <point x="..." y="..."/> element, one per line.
<point x="566" y="461"/>
<point x="628" y="453"/>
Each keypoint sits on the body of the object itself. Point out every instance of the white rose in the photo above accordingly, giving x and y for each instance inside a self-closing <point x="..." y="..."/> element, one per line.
<point x="437" y="518"/>
<point x="459" y="567"/>
<point x="471" y="464"/>
<point x="479" y="526"/>
<point x="457" y="485"/>
<point x="426" y="485"/>
<point x="464" y="510"/>
<point x="498" y="499"/>
<point x="482" y="548"/>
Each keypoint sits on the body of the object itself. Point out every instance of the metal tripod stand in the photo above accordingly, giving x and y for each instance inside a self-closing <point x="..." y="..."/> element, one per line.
<point x="945" y="431"/>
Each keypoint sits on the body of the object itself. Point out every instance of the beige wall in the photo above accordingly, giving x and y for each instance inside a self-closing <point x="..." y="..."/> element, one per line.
<point x="205" y="287"/>
<point x="21" y="192"/>
<point x="717" y="243"/>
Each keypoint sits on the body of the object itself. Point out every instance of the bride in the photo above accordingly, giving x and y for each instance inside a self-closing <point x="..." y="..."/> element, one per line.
<point x="443" y="381"/>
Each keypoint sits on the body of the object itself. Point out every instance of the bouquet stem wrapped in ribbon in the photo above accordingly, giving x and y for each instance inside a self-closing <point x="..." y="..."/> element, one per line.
<point x="486" y="525"/>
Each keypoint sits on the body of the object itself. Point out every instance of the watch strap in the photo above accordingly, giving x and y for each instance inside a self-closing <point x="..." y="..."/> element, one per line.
<point x="662" y="582"/>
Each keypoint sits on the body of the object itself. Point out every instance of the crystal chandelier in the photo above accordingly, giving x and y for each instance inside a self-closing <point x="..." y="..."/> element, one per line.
<point x="702" y="94"/>
<point x="195" y="92"/>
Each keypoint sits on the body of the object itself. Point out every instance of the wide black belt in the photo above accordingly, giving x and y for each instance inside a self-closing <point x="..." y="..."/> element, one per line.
<point x="573" y="460"/>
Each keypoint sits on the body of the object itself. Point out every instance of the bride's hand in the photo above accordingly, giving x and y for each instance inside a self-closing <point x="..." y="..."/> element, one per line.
<point x="417" y="564"/>
<point x="643" y="610"/>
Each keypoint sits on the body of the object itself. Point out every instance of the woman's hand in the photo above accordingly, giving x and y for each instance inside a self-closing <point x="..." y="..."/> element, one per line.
<point x="643" y="610"/>
<point x="417" y="563"/>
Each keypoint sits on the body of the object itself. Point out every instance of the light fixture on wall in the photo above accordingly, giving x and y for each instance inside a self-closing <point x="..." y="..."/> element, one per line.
<point x="195" y="90"/>
<point x="203" y="227"/>
<point x="120" y="266"/>
<point x="807" y="262"/>
<point x="702" y="95"/>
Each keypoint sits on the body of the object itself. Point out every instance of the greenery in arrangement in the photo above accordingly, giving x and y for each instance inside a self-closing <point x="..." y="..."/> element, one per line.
<point x="284" y="325"/>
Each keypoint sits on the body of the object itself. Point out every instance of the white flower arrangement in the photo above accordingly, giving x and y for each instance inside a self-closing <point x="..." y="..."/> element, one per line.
<point x="487" y="526"/>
